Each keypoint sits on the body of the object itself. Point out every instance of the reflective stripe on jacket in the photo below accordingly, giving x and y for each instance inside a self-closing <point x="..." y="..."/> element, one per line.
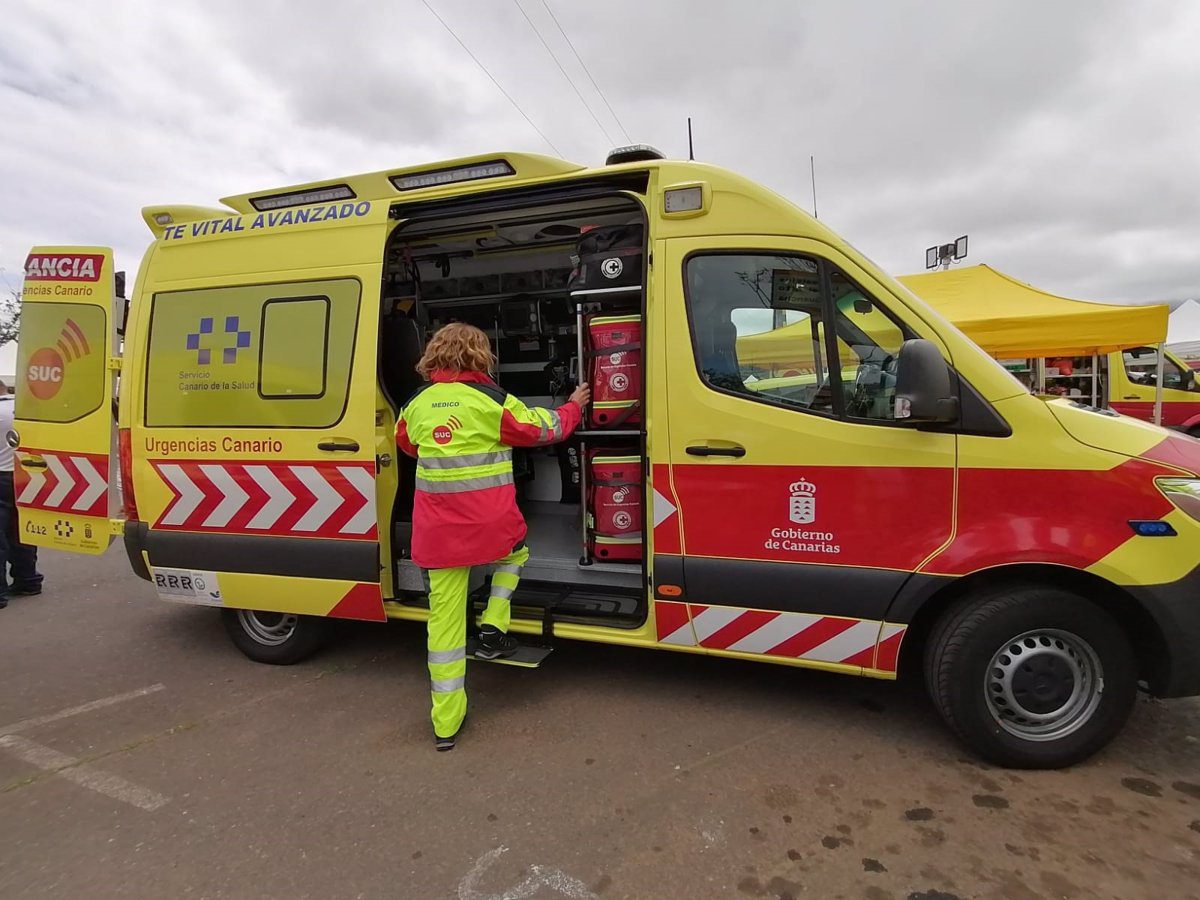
<point x="462" y="428"/>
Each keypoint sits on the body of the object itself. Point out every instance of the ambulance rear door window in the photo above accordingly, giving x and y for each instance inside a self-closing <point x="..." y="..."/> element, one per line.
<point x="253" y="356"/>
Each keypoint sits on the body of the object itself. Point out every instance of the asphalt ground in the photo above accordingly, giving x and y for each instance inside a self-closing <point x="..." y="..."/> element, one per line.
<point x="142" y="756"/>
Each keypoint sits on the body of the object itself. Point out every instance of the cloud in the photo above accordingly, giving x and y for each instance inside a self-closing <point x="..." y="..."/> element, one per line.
<point x="1059" y="136"/>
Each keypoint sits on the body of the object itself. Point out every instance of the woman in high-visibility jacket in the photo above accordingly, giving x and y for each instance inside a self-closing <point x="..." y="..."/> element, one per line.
<point x="461" y="426"/>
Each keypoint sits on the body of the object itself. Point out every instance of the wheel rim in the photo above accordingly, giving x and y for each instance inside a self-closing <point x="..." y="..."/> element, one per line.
<point x="266" y="628"/>
<point x="1044" y="684"/>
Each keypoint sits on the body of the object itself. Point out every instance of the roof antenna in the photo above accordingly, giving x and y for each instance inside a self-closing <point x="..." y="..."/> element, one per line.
<point x="812" y="168"/>
<point x="691" y="153"/>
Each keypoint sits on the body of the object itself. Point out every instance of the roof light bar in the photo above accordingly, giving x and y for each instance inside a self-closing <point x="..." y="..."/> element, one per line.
<point x="633" y="153"/>
<point x="496" y="168"/>
<point x="303" y="198"/>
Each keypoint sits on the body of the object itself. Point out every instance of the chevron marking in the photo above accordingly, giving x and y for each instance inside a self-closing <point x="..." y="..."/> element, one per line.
<point x="190" y="496"/>
<point x="327" y="502"/>
<point x="62" y="476"/>
<point x="97" y="484"/>
<point x="279" y="498"/>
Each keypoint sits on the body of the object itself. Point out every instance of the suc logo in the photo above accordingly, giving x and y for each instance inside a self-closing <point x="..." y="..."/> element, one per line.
<point x="444" y="434"/>
<point x="47" y="365"/>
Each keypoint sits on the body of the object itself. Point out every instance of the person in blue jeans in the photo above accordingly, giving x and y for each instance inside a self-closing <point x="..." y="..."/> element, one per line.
<point x="17" y="561"/>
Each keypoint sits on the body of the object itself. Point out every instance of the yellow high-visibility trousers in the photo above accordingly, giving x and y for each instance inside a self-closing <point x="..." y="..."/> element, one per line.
<point x="447" y="644"/>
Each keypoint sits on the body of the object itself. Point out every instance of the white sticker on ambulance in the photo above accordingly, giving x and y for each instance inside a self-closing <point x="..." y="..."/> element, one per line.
<point x="188" y="586"/>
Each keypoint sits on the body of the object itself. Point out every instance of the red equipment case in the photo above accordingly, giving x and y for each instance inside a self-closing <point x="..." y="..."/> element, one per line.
<point x="615" y="369"/>
<point x="615" y="504"/>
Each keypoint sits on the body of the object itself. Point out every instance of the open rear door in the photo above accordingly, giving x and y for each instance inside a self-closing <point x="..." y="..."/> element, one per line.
<point x="64" y="417"/>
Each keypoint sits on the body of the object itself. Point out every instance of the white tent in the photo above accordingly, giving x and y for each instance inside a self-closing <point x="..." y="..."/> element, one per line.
<point x="1183" y="330"/>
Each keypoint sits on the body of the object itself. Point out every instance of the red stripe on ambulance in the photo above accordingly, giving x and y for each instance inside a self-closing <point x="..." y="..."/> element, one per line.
<point x="75" y="482"/>
<point x="833" y="639"/>
<point x="296" y="499"/>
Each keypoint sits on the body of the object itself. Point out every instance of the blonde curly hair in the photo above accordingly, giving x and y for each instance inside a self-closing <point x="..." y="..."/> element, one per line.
<point x="457" y="347"/>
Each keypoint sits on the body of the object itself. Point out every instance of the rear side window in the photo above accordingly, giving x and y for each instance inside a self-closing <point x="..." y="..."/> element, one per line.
<point x="295" y="338"/>
<point x="60" y="361"/>
<point x="258" y="356"/>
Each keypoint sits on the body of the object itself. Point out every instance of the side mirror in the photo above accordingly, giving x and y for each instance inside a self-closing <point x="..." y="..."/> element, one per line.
<point x="924" y="388"/>
<point x="1189" y="380"/>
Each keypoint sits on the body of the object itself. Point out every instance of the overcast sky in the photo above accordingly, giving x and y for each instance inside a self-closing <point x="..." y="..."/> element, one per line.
<point x="1062" y="137"/>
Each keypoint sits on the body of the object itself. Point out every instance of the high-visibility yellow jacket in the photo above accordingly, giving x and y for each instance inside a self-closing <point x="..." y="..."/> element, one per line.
<point x="462" y="427"/>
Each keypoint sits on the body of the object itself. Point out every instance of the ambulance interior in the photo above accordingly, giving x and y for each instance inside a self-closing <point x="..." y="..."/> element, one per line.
<point x="508" y="273"/>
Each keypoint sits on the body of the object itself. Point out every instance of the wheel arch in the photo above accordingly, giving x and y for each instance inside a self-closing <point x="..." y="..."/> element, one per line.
<point x="1145" y="636"/>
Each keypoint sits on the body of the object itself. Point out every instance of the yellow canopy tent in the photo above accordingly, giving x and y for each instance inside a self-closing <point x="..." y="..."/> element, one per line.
<point x="1011" y="319"/>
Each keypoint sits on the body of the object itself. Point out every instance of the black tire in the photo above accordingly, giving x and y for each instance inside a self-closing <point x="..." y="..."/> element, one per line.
<point x="279" y="639"/>
<point x="1051" y="700"/>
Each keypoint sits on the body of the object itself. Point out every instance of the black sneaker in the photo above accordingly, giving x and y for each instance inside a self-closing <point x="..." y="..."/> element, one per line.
<point x="3" y="602"/>
<point x="447" y="743"/>
<point x="24" y="592"/>
<point x="495" y="644"/>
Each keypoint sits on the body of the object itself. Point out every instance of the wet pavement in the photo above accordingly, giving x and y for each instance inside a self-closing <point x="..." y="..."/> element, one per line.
<point x="142" y="756"/>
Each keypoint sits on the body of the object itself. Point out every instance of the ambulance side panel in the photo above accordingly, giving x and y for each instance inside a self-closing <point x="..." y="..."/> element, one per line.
<point x="252" y="414"/>
<point x="800" y="516"/>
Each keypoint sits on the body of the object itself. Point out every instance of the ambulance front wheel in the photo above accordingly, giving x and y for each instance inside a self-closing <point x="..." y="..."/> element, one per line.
<point x="1031" y="678"/>
<point x="276" y="638"/>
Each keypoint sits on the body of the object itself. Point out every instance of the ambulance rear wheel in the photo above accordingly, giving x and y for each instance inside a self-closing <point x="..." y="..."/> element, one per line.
<point x="276" y="638"/>
<point x="1031" y="678"/>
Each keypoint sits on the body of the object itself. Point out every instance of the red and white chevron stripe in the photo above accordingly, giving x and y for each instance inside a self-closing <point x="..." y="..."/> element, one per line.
<point x="70" y="482"/>
<point x="834" y="639"/>
<point x="296" y="499"/>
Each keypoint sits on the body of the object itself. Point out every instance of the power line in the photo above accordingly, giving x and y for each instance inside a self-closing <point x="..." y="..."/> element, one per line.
<point x="586" y="71"/>
<point x="570" y="81"/>
<point x="499" y="87"/>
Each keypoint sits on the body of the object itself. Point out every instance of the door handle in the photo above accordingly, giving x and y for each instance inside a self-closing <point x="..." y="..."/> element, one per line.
<point x="1130" y="397"/>
<point x="338" y="445"/>
<point x="704" y="450"/>
<point x="33" y="462"/>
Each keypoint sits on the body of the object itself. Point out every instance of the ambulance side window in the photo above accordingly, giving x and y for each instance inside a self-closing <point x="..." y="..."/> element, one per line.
<point x="758" y="328"/>
<point x="869" y="342"/>
<point x="765" y="328"/>
<point x="1141" y="366"/>
<point x="295" y="338"/>
<point x="252" y="356"/>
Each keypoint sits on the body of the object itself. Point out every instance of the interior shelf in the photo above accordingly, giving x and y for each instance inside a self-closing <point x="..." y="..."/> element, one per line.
<point x="594" y="292"/>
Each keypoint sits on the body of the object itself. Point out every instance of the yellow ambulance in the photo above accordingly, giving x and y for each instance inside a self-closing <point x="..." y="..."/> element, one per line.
<point x="902" y="504"/>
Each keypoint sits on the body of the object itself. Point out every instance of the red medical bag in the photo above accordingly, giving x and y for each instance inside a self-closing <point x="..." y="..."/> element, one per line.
<point x="615" y="507"/>
<point x="615" y="369"/>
